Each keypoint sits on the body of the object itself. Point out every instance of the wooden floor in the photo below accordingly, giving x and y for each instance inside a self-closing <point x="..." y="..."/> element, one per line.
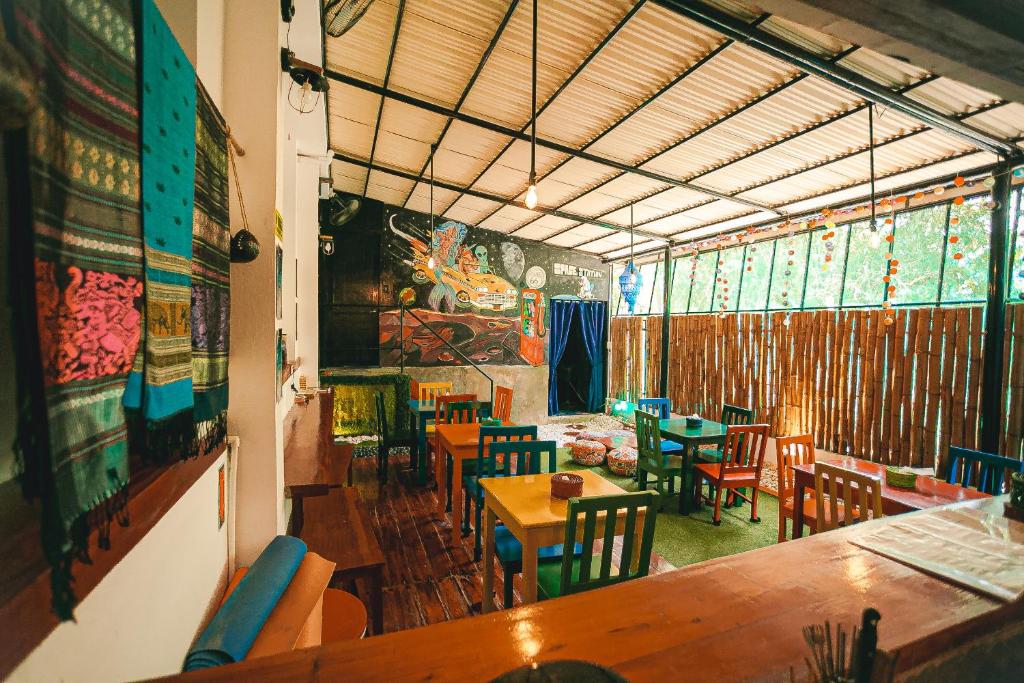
<point x="427" y="578"/>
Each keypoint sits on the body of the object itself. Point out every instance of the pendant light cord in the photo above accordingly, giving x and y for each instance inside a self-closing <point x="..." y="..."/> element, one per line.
<point x="433" y="148"/>
<point x="533" y="88"/>
<point x="871" y="161"/>
<point x="631" y="236"/>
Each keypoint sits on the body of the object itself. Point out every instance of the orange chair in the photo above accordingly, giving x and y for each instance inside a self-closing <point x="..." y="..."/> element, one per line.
<point x="429" y="391"/>
<point x="789" y="451"/>
<point x="502" y="408"/>
<point x="828" y="479"/>
<point x="442" y="416"/>
<point x="742" y="459"/>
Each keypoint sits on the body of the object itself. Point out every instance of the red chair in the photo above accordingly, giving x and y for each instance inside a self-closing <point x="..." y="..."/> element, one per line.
<point x="742" y="459"/>
<point x="502" y="408"/>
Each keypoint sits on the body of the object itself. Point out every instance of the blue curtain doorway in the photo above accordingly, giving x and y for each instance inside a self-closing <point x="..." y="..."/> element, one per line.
<point x="576" y="356"/>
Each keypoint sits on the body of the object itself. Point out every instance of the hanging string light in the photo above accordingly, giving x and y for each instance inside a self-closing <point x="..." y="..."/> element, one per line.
<point x="531" y="191"/>
<point x="430" y="262"/>
<point x="630" y="280"/>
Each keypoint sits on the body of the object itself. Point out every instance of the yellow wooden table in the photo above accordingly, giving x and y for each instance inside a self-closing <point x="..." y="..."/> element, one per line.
<point x="525" y="505"/>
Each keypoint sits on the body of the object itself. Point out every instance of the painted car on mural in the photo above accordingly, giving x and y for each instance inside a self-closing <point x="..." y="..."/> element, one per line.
<point x="465" y="272"/>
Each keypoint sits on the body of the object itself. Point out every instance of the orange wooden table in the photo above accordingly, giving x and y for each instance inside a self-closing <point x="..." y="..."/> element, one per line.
<point x="525" y="506"/>
<point x="734" y="618"/>
<point x="928" y="492"/>
<point x="459" y="441"/>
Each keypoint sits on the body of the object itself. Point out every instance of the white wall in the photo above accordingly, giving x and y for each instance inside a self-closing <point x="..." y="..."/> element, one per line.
<point x="143" y="616"/>
<point x="141" y="619"/>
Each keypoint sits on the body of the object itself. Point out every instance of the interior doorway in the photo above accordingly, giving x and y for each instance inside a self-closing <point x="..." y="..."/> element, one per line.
<point x="577" y="356"/>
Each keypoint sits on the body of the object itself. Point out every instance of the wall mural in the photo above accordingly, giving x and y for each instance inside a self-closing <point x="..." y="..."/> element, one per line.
<point x="483" y="292"/>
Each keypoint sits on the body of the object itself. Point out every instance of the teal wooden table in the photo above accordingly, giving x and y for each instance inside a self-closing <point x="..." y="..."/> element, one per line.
<point x="709" y="432"/>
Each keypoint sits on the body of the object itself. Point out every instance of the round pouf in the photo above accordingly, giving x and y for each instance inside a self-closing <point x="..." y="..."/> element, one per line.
<point x="622" y="461"/>
<point x="589" y="453"/>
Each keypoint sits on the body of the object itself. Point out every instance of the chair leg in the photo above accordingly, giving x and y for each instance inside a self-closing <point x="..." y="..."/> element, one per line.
<point x="753" y="507"/>
<point x="782" y="525"/>
<point x="448" y="474"/>
<point x="465" y="512"/>
<point x="509" y="576"/>
<point x="717" y="518"/>
<point x="478" y="541"/>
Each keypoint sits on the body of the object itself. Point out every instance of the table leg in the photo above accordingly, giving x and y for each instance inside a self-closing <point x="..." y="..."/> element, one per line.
<point x="798" y="507"/>
<point x="686" y="480"/>
<point x="529" y="593"/>
<point x="456" y="497"/>
<point x="487" y="600"/>
<point x="414" y="450"/>
<point x="421" y="439"/>
<point x="377" y="600"/>
<point x="441" y="471"/>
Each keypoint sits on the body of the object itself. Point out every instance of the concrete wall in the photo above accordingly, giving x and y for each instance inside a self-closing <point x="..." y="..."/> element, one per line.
<point x="529" y="385"/>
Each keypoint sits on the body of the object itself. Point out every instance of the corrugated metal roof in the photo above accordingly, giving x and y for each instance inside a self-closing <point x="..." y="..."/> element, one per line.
<point x="737" y="123"/>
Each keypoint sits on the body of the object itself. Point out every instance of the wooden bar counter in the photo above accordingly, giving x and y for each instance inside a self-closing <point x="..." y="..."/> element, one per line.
<point x="729" y="619"/>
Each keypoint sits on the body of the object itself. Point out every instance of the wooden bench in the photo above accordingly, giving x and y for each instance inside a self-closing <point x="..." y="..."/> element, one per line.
<point x="313" y="462"/>
<point x="337" y="527"/>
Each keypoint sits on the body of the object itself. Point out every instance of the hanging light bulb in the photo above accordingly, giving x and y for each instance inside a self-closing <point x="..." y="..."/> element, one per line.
<point x="531" y="194"/>
<point x="874" y="237"/>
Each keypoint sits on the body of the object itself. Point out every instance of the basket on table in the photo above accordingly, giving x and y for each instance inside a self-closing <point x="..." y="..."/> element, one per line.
<point x="566" y="485"/>
<point x="900" y="478"/>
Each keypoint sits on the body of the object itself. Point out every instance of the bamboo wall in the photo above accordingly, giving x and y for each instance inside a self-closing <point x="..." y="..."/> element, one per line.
<point x="897" y="394"/>
<point x="625" y="373"/>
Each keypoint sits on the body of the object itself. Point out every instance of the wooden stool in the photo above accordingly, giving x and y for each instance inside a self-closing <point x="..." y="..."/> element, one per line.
<point x="344" y="617"/>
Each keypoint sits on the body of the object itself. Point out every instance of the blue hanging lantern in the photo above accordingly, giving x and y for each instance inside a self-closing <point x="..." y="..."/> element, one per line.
<point x="630" y="280"/>
<point x="629" y="283"/>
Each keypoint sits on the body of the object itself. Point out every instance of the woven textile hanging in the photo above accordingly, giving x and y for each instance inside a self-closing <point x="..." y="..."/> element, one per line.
<point x="160" y="386"/>
<point x="211" y="263"/>
<point x="75" y="234"/>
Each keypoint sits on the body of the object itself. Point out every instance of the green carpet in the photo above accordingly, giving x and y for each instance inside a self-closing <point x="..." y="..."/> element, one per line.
<point x="693" y="538"/>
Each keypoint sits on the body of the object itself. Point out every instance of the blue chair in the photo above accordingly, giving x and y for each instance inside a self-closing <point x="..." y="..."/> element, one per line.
<point x="662" y="408"/>
<point x="490" y="469"/>
<point x="984" y="471"/>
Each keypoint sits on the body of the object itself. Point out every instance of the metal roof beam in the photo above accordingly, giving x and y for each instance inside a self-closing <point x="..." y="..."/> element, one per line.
<point x="804" y="215"/>
<point x="409" y="175"/>
<point x="811" y="63"/>
<point x="387" y="79"/>
<point x="520" y="135"/>
<point x="465" y="92"/>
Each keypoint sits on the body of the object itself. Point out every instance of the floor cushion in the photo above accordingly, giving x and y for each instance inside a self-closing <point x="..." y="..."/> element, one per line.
<point x="588" y="453"/>
<point x="622" y="461"/>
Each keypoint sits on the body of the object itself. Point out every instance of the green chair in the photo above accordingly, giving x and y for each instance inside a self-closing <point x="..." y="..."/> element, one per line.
<point x="650" y="458"/>
<point x="386" y="440"/>
<point x="589" y="571"/>
<point x="731" y="415"/>
<point x="662" y="407"/>
<point x="457" y="412"/>
<point x="990" y="476"/>
<point x="486" y="466"/>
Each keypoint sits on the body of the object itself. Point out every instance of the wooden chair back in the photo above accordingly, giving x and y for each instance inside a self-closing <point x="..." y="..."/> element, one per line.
<point x="441" y="409"/>
<point x="743" y="450"/>
<point x="581" y="524"/>
<point x="648" y="441"/>
<point x="502" y="408"/>
<point x="499" y="434"/>
<point x="430" y="391"/>
<point x="987" y="472"/>
<point x="861" y="495"/>
<point x="514" y="458"/>
<point x="662" y="407"/>
<point x="735" y="415"/>
<point x="789" y="451"/>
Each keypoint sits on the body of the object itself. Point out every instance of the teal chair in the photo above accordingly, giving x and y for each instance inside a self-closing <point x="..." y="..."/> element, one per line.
<point x="984" y="471"/>
<point x="386" y="439"/>
<point x="587" y="571"/>
<point x="485" y="466"/>
<point x="651" y="460"/>
<point x="662" y="407"/>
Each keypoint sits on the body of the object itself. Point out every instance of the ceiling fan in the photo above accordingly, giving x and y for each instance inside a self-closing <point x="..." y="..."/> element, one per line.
<point x="340" y="210"/>
<point x="341" y="15"/>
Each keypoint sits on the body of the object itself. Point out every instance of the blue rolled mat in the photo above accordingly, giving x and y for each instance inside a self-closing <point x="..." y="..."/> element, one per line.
<point x="231" y="633"/>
